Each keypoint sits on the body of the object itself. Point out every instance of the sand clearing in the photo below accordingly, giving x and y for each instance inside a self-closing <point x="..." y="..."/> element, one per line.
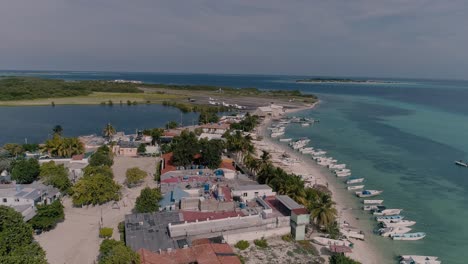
<point x="76" y="240"/>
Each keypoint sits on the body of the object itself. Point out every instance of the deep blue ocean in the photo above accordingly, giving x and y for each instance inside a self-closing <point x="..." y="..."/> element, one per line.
<point x="403" y="137"/>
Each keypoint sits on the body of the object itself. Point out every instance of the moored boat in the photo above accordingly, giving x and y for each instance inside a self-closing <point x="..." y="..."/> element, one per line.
<point x="328" y="241"/>
<point x="409" y="236"/>
<point x="372" y="207"/>
<point x="373" y="201"/>
<point x="390" y="231"/>
<point x="417" y="259"/>
<point x="461" y="163"/>
<point x="355" y="187"/>
<point x="389" y="217"/>
<point x="385" y="212"/>
<point x="352" y="181"/>
<point x="285" y="139"/>
<point x="397" y="223"/>
<point x="368" y="193"/>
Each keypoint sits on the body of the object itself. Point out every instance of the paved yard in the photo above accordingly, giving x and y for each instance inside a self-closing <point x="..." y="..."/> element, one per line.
<point x="76" y="240"/>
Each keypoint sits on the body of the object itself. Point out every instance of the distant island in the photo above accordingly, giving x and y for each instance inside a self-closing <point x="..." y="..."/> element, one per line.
<point x="338" y="80"/>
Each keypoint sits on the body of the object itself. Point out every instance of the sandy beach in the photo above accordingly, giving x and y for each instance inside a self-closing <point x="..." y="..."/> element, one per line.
<point x="362" y="251"/>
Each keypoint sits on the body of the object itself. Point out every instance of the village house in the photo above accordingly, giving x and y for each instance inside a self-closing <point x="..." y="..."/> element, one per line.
<point x="218" y="128"/>
<point x="126" y="148"/>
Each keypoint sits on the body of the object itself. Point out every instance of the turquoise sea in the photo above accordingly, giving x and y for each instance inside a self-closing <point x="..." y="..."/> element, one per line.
<point x="403" y="137"/>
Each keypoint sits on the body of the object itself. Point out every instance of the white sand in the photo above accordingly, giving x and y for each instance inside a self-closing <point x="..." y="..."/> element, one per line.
<point x="362" y="251"/>
<point x="76" y="240"/>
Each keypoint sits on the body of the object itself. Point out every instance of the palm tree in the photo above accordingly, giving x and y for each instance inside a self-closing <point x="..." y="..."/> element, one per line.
<point x="63" y="147"/>
<point x="108" y="131"/>
<point x="322" y="210"/>
<point x="57" y="130"/>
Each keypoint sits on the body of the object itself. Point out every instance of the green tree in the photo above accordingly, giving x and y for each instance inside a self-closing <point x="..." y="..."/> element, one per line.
<point x="141" y="148"/>
<point x="208" y="117"/>
<point x="116" y="252"/>
<point x="13" y="149"/>
<point x="63" y="147"/>
<point x="172" y="125"/>
<point x="211" y="151"/>
<point x="134" y="175"/>
<point x="148" y="201"/>
<point x="184" y="148"/>
<point x="102" y="157"/>
<point x="155" y="133"/>
<point x="322" y="210"/>
<point x="25" y="170"/>
<point x="341" y="259"/>
<point x="58" y="130"/>
<point x="48" y="216"/>
<point x="95" y="190"/>
<point x="55" y="175"/>
<point x="95" y="170"/>
<point x="30" y="147"/>
<point x="108" y="131"/>
<point x="16" y="240"/>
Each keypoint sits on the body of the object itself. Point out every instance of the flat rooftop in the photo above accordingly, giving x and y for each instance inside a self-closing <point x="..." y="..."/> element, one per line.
<point x="150" y="231"/>
<point x="252" y="187"/>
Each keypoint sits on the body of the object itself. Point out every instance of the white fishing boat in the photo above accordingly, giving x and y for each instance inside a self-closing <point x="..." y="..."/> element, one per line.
<point x="389" y="217"/>
<point x="461" y="163"/>
<point x="306" y="150"/>
<point x="349" y="233"/>
<point x="337" y="166"/>
<point x="299" y="143"/>
<point x="328" y="241"/>
<point x="388" y="212"/>
<point x="318" y="153"/>
<point x="305" y="124"/>
<point x="397" y="223"/>
<point x="277" y="134"/>
<point x="342" y="170"/>
<point x="409" y="236"/>
<point x="355" y="187"/>
<point x="285" y="139"/>
<point x="416" y="259"/>
<point x="373" y="201"/>
<point x="343" y="174"/>
<point x="371" y="207"/>
<point x="352" y="181"/>
<point x="390" y="231"/>
<point x="368" y="193"/>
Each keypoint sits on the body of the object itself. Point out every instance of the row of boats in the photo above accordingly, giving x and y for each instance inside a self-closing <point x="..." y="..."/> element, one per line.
<point x="391" y="223"/>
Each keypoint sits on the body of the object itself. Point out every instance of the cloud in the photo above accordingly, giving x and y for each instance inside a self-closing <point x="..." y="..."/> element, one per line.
<point x="407" y="38"/>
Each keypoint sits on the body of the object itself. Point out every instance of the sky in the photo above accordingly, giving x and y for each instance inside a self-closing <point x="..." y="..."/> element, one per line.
<point x="391" y="38"/>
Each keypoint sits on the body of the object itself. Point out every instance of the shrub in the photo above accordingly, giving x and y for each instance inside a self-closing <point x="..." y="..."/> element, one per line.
<point x="106" y="232"/>
<point x="261" y="243"/>
<point x="112" y="252"/>
<point x="48" y="216"/>
<point x="242" y="244"/>
<point x="134" y="175"/>
<point x="287" y="238"/>
<point x="341" y="259"/>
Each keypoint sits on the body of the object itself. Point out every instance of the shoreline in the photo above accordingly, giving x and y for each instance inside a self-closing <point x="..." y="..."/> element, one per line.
<point x="362" y="251"/>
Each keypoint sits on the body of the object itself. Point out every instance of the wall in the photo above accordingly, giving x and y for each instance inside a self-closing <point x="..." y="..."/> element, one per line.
<point x="251" y="194"/>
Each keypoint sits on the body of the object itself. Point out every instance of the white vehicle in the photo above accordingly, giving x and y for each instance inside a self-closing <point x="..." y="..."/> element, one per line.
<point x="373" y="201"/>
<point x="355" y="187"/>
<point x="390" y="231"/>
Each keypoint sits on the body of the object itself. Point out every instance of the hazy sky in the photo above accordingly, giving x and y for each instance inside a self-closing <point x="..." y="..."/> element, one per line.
<point x="402" y="38"/>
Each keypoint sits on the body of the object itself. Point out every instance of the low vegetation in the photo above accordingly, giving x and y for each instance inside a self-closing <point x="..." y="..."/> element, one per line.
<point x="242" y="244"/>
<point x="106" y="232"/>
<point x="112" y="252"/>
<point x="148" y="201"/>
<point x="48" y="216"/>
<point x="134" y="176"/>
<point x="341" y="259"/>
<point x="261" y="243"/>
<point x="28" y="88"/>
<point x="17" y="244"/>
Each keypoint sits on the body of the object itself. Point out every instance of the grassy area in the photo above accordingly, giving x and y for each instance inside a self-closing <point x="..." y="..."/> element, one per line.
<point x="98" y="98"/>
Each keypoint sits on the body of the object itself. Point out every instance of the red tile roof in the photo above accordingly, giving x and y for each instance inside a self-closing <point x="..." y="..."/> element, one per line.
<point x="227" y="164"/>
<point x="227" y="194"/>
<point x="168" y="166"/>
<point x="191" y="216"/>
<point x="300" y="211"/>
<point x="201" y="254"/>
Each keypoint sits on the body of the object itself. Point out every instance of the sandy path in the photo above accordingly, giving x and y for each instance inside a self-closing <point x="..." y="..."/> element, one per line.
<point x="76" y="240"/>
<point x="362" y="251"/>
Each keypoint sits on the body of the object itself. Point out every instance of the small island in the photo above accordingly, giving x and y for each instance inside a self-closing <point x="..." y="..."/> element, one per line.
<point x="340" y="80"/>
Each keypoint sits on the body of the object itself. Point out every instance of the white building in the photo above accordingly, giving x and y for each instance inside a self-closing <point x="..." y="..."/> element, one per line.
<point x="271" y="110"/>
<point x="250" y="192"/>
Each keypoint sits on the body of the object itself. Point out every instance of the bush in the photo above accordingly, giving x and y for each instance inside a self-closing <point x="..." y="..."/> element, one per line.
<point x="134" y="175"/>
<point x="121" y="228"/>
<point x="106" y="232"/>
<point x="287" y="238"/>
<point x="261" y="243"/>
<point x="341" y="259"/>
<point x="48" y="216"/>
<point x="157" y="175"/>
<point x="242" y="244"/>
